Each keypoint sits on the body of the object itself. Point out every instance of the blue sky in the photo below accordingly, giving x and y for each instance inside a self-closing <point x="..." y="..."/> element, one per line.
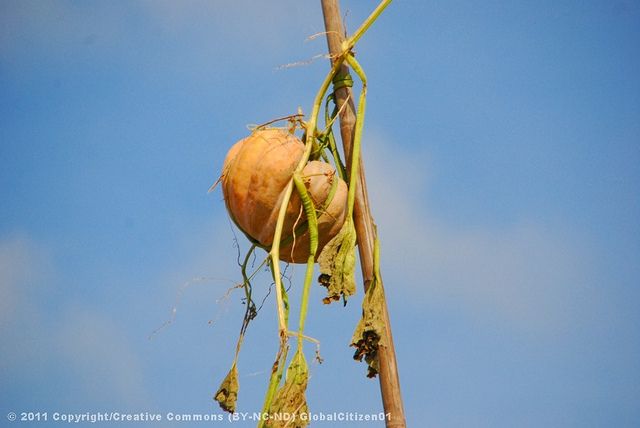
<point x="502" y="146"/>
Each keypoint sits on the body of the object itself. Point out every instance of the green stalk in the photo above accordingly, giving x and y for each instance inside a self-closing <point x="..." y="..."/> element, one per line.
<point x="357" y="136"/>
<point x="311" y="135"/>
<point x="376" y="260"/>
<point x="331" y="141"/>
<point x="312" y="220"/>
<point x="348" y="44"/>
<point x="276" y="375"/>
<point x="277" y="236"/>
<point x="311" y="130"/>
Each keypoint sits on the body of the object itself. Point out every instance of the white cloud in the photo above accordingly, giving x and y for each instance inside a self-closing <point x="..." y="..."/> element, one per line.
<point x="525" y="274"/>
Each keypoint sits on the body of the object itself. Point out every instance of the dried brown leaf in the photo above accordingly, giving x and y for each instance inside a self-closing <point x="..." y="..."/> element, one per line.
<point x="369" y="334"/>
<point x="337" y="264"/>
<point x="289" y="408"/>
<point x="227" y="394"/>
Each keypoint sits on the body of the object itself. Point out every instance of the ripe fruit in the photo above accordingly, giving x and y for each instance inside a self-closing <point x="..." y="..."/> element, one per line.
<point x="255" y="173"/>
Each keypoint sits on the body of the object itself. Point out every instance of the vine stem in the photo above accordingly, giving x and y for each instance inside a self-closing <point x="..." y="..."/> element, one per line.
<point x="357" y="137"/>
<point x="312" y="221"/>
<point x="278" y="365"/>
<point x="367" y="235"/>
<point x="277" y="236"/>
<point x="348" y="44"/>
<point x="311" y="130"/>
<point x="311" y="136"/>
<point x="276" y="375"/>
<point x="246" y="285"/>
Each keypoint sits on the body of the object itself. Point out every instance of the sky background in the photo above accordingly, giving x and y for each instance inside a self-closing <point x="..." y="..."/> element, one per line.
<point x="502" y="148"/>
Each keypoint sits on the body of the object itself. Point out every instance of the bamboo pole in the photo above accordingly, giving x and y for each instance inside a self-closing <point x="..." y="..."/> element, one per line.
<point x="365" y="228"/>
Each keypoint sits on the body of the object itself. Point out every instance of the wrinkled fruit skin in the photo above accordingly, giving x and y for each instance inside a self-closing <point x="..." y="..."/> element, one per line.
<point x="255" y="173"/>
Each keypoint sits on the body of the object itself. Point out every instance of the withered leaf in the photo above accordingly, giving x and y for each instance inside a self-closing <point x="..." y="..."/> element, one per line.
<point x="290" y="404"/>
<point x="337" y="264"/>
<point x="227" y="394"/>
<point x="370" y="332"/>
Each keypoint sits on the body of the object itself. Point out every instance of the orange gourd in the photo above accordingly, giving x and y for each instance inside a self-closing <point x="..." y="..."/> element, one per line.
<point x="255" y="173"/>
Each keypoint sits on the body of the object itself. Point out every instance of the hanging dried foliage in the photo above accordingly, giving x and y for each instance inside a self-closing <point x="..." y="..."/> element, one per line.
<point x="289" y="407"/>
<point x="227" y="394"/>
